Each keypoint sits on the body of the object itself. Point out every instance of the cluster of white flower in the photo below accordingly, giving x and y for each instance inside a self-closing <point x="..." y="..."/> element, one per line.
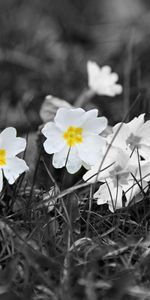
<point x="120" y="161"/>
<point x="73" y="137"/>
<point x="126" y="167"/>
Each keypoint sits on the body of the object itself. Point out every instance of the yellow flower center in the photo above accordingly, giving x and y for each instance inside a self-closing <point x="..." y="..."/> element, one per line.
<point x="73" y="135"/>
<point x="2" y="157"/>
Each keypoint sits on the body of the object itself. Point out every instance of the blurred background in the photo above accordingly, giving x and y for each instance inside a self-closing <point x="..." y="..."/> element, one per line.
<point x="45" y="45"/>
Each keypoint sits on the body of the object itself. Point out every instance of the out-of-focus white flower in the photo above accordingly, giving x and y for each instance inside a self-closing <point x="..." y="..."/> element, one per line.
<point x="123" y="171"/>
<point x="10" y="165"/>
<point x="102" y="81"/>
<point x="50" y="106"/>
<point x="120" y="173"/>
<point x="74" y="138"/>
<point x="131" y="135"/>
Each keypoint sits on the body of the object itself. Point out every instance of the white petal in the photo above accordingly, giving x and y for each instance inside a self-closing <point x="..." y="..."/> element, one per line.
<point x="60" y="158"/>
<point x="95" y="125"/>
<point x="124" y="130"/>
<point x="1" y="180"/>
<point x="55" y="141"/>
<point x="122" y="158"/>
<point x="114" y="77"/>
<point x="91" y="175"/>
<point x="108" y="193"/>
<point x="15" y="167"/>
<point x="120" y="134"/>
<point x="99" y="171"/>
<point x="144" y="151"/>
<point x="143" y="132"/>
<point x="115" y="157"/>
<point x="52" y="146"/>
<point x="93" y="73"/>
<point x="97" y="78"/>
<point x="74" y="163"/>
<point x="12" y="144"/>
<point x="69" y="117"/>
<point x="133" y="189"/>
<point x="50" y="129"/>
<point x="86" y="166"/>
<point x="106" y="70"/>
<point x="130" y="190"/>
<point x="69" y="158"/>
<point x="136" y="123"/>
<point x="91" y="148"/>
<point x="142" y="171"/>
<point x="8" y="133"/>
<point x="114" y="89"/>
<point x="90" y="114"/>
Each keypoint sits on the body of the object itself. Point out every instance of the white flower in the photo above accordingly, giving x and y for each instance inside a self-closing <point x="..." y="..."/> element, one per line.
<point x="10" y="165"/>
<point x="120" y="173"/>
<point x="74" y="138"/>
<point x="102" y="81"/>
<point x="131" y="135"/>
<point x="102" y="168"/>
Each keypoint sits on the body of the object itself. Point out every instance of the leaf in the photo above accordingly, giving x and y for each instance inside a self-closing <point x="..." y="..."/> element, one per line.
<point x="72" y="210"/>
